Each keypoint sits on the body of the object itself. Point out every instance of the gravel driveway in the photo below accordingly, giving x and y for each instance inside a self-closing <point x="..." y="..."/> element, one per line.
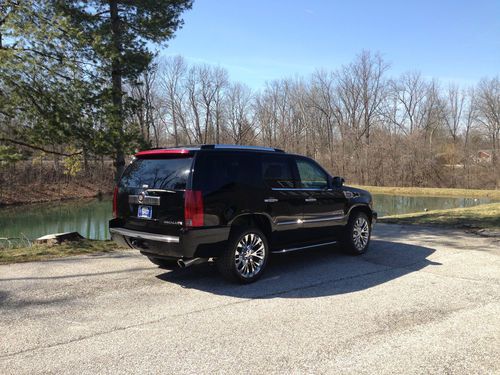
<point x="421" y="300"/>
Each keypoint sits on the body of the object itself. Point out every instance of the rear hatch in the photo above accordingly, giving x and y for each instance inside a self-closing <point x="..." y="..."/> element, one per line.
<point x="151" y="193"/>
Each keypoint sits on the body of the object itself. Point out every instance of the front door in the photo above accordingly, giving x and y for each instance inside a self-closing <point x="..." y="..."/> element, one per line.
<point x="323" y="206"/>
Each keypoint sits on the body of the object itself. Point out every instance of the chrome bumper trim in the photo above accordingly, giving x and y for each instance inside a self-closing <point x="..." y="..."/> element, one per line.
<point x="144" y="235"/>
<point x="146" y="200"/>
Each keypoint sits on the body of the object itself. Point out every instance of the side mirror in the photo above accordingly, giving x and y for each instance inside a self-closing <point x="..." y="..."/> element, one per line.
<point x="337" y="181"/>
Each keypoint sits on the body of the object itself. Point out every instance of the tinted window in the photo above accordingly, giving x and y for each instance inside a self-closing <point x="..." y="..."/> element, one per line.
<point x="168" y="174"/>
<point x="215" y="171"/>
<point x="311" y="176"/>
<point x="276" y="171"/>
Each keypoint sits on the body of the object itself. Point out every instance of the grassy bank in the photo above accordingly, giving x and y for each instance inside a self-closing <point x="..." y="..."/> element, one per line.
<point x="435" y="192"/>
<point x="486" y="216"/>
<point x="43" y="251"/>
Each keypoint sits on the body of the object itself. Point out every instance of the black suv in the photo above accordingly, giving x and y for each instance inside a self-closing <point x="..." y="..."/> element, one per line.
<point x="234" y="205"/>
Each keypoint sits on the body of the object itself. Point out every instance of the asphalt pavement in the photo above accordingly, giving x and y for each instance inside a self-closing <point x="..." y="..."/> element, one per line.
<point x="422" y="300"/>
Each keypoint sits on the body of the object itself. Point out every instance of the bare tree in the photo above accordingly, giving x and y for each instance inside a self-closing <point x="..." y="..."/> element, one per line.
<point x="240" y="121"/>
<point x="146" y="105"/>
<point x="470" y="118"/>
<point x="173" y="71"/>
<point x="453" y="114"/>
<point x="360" y="124"/>
<point x="488" y="99"/>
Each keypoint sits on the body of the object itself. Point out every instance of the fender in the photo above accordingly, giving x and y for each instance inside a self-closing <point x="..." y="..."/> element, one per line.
<point x="265" y="215"/>
<point x="373" y="214"/>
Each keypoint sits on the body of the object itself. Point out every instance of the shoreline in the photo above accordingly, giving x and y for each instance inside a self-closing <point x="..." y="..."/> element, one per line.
<point x="44" y="252"/>
<point x="74" y="192"/>
<point x="483" y="217"/>
<point x="430" y="192"/>
<point x="62" y="201"/>
<point x="70" y="192"/>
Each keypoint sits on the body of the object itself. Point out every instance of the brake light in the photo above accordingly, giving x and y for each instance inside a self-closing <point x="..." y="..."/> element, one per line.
<point x="174" y="151"/>
<point x="115" y="202"/>
<point x="193" y="208"/>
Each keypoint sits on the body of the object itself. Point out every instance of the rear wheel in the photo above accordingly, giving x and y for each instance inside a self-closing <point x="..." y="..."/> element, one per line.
<point x="357" y="233"/>
<point x="163" y="263"/>
<point x="246" y="256"/>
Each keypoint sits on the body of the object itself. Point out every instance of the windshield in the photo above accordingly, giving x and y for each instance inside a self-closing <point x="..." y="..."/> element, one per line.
<point x="167" y="174"/>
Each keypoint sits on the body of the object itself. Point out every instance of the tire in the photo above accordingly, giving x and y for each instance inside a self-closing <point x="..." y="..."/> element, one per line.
<point x="357" y="234"/>
<point x="237" y="263"/>
<point x="163" y="263"/>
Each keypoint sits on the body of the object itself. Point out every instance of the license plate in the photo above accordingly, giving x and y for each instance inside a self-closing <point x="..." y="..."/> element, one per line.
<point x="145" y="212"/>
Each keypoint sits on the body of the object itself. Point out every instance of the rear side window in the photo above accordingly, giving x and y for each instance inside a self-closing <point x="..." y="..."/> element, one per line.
<point x="225" y="170"/>
<point x="277" y="171"/>
<point x="167" y="174"/>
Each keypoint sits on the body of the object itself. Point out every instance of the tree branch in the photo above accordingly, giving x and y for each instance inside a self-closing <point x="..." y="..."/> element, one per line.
<point x="19" y="143"/>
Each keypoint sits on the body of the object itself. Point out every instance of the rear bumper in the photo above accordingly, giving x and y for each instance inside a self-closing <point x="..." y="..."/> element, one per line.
<point x="143" y="235"/>
<point x="202" y="242"/>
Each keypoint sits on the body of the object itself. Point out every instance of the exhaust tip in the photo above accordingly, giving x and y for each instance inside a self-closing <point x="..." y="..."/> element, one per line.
<point x="183" y="263"/>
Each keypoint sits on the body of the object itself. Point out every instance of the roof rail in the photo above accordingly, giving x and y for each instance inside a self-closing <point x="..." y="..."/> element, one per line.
<point x="239" y="147"/>
<point x="190" y="146"/>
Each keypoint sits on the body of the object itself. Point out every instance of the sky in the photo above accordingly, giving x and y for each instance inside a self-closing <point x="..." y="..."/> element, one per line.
<point x="258" y="40"/>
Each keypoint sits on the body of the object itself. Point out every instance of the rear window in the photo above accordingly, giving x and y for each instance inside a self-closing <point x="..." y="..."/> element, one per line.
<point x="167" y="174"/>
<point x="277" y="172"/>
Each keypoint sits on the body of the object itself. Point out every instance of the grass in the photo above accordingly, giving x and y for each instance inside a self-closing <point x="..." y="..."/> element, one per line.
<point x="44" y="251"/>
<point x="435" y="192"/>
<point x="486" y="216"/>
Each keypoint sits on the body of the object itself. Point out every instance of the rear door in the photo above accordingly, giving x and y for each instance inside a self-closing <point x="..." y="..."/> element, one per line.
<point x="230" y="182"/>
<point x="323" y="205"/>
<point x="151" y="193"/>
<point x="281" y="199"/>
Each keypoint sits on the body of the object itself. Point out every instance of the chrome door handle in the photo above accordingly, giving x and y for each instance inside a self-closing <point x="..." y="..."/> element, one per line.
<point x="310" y="199"/>
<point x="270" y="200"/>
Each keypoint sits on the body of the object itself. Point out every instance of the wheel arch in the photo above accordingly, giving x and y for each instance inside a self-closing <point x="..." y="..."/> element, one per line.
<point x="361" y="208"/>
<point x="261" y="221"/>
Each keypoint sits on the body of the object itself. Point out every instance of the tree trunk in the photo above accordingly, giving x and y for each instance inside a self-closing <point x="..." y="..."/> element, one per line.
<point x="116" y="89"/>
<point x="174" y="118"/>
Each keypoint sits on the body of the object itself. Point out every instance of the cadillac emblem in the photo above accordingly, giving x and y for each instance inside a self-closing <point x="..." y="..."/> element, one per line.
<point x="140" y="198"/>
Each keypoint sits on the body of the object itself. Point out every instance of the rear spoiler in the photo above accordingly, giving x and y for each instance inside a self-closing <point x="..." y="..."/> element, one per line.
<point x="159" y="152"/>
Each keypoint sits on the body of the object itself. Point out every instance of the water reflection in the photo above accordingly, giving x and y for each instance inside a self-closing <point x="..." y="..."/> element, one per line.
<point x="397" y="204"/>
<point x="89" y="218"/>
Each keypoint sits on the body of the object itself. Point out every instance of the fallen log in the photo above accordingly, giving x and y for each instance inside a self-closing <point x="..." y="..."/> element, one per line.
<point x="58" y="238"/>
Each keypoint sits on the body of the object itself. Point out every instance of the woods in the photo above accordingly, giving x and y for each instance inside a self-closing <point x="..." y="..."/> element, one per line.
<point x="82" y="87"/>
<point x="358" y="120"/>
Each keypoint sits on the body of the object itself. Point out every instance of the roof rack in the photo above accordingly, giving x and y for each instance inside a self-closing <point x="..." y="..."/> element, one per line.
<point x="239" y="147"/>
<point x="189" y="146"/>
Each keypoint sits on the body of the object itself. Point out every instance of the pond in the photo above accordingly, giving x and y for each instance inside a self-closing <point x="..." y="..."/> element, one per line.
<point x="399" y="204"/>
<point x="90" y="217"/>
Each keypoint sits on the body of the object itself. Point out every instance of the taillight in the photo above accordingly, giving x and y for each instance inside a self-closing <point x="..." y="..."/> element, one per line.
<point x="193" y="208"/>
<point x="115" y="202"/>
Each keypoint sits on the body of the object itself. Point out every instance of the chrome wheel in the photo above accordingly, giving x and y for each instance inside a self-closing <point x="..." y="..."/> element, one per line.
<point x="249" y="255"/>
<point x="361" y="233"/>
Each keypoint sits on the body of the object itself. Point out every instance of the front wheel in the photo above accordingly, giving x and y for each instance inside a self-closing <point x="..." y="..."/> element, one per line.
<point x="246" y="256"/>
<point x="357" y="233"/>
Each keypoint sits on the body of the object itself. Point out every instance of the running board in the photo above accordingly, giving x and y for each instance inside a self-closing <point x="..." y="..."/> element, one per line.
<point x="303" y="247"/>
